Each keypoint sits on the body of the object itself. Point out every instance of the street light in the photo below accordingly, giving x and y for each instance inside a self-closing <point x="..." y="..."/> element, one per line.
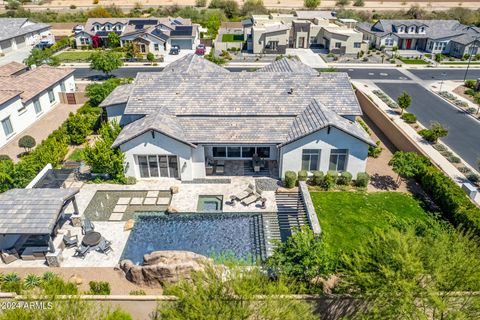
<point x="472" y="50"/>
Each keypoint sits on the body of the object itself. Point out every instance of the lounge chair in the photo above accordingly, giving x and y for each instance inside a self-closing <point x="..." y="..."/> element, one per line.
<point x="252" y="198"/>
<point x="245" y="193"/>
<point x="87" y="226"/>
<point x="70" y="241"/>
<point x="10" y="255"/>
<point x="104" y="246"/>
<point x="81" y="251"/>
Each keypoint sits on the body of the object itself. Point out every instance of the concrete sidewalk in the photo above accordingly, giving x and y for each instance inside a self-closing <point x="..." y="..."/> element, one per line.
<point x="309" y="57"/>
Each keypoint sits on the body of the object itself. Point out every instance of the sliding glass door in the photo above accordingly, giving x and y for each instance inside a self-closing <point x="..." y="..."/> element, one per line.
<point x="154" y="166"/>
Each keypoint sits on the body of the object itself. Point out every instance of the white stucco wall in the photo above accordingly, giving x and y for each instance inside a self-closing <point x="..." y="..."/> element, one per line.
<point x="291" y="154"/>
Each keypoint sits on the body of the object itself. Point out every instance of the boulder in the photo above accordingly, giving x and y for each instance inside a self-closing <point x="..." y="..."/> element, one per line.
<point x="129" y="225"/>
<point x="171" y="209"/>
<point x="174" y="189"/>
<point x="161" y="267"/>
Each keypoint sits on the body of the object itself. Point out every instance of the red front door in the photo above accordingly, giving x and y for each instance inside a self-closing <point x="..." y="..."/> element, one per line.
<point x="409" y="43"/>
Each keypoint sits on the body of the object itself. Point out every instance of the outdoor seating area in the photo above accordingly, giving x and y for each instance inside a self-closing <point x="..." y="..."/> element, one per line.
<point x="92" y="241"/>
<point x="249" y="196"/>
<point x="254" y="167"/>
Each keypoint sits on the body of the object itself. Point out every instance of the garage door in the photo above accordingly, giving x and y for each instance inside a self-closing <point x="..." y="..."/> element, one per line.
<point x="6" y="46"/>
<point x="20" y="41"/>
<point x="182" y="43"/>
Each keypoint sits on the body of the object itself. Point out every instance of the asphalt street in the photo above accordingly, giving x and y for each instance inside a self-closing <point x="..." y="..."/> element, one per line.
<point x="463" y="131"/>
<point x="446" y="74"/>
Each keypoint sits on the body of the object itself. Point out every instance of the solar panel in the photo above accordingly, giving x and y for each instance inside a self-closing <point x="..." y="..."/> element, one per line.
<point x="143" y="22"/>
<point x="182" y="31"/>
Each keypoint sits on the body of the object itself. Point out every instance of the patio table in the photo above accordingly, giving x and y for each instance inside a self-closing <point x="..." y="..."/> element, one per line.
<point x="92" y="238"/>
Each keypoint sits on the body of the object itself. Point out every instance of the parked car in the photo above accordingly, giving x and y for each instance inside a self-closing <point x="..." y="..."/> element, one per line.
<point x="201" y="50"/>
<point x="42" y="45"/>
<point x="175" y="50"/>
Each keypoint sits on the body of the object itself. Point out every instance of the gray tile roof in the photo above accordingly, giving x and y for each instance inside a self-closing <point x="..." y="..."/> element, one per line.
<point x="246" y="107"/>
<point x="309" y="14"/>
<point x="14" y="27"/>
<point x="288" y="65"/>
<point x="31" y="211"/>
<point x="119" y="95"/>
<point x="193" y="64"/>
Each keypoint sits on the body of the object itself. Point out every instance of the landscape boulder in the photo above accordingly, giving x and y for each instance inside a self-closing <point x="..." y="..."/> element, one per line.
<point x="162" y="267"/>
<point x="174" y="189"/>
<point x="129" y="225"/>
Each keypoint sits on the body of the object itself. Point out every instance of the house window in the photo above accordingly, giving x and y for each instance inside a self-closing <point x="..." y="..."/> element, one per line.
<point x="272" y="45"/>
<point x="357" y="44"/>
<point x="51" y="96"/>
<point x="310" y="159"/>
<point x="263" y="152"/>
<point x="421" y="30"/>
<point x="411" y="29"/>
<point x="108" y="27"/>
<point x="248" y="152"/>
<point x="388" y="42"/>
<point x="97" y="27"/>
<point x="338" y="159"/>
<point x="7" y="126"/>
<point x="313" y="39"/>
<point x="233" y="152"/>
<point x="401" y="29"/>
<point x="338" y="45"/>
<point x="154" y="166"/>
<point x="22" y="110"/>
<point x="156" y="47"/>
<point x="62" y="86"/>
<point x="142" y="48"/>
<point x="37" y="106"/>
<point x="219" y="152"/>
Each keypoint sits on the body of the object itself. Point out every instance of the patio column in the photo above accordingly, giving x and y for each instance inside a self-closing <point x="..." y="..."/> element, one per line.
<point x="75" y="207"/>
<point x="50" y="245"/>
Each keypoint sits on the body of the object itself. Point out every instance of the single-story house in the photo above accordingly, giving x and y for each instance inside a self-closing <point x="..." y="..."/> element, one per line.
<point x="18" y="33"/>
<point x="25" y="96"/>
<point x="193" y="115"/>
<point x="230" y="36"/>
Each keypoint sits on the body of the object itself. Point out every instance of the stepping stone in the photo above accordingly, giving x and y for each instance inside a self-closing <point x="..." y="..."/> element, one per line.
<point x="152" y="194"/>
<point x="149" y="201"/>
<point x="116" y="216"/>
<point x="136" y="201"/>
<point x="120" y="208"/>
<point x="123" y="201"/>
<point x="165" y="201"/>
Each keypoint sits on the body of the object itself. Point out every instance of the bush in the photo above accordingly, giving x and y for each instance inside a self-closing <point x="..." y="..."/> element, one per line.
<point x="99" y="287"/>
<point x="290" y="179"/>
<point x="342" y="3"/>
<point x="32" y="281"/>
<point x="12" y="283"/>
<point x="409" y="117"/>
<point x="471" y="110"/>
<point x="345" y="178"/>
<point x="97" y="92"/>
<point x="302" y="175"/>
<point x="439" y="147"/>
<point x="435" y="132"/>
<point x="317" y="178"/>
<point x="4" y="157"/>
<point x="470" y="83"/>
<point x="27" y="142"/>
<point x="375" y="152"/>
<point x="79" y="126"/>
<point x="362" y="179"/>
<point x="470" y="92"/>
<point x="118" y="314"/>
<point x="454" y="159"/>
<point x="137" y="293"/>
<point x="52" y="284"/>
<point x="200" y="3"/>
<point x="473" y="177"/>
<point x="311" y="4"/>
<point x="329" y="180"/>
<point x="359" y="3"/>
<point x="464" y="170"/>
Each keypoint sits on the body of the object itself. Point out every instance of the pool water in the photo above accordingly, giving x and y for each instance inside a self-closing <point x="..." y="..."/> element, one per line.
<point x="210" y="203"/>
<point x="239" y="236"/>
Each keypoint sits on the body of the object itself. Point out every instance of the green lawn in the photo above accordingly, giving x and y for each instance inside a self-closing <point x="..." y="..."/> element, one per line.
<point x="413" y="61"/>
<point x="74" y="55"/>
<point x="76" y="155"/>
<point x="349" y="218"/>
<point x="232" y="37"/>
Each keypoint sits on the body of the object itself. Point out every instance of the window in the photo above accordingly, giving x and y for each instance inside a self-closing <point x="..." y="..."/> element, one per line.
<point x="357" y="44"/>
<point x="7" y="126"/>
<point x="401" y="29"/>
<point x="313" y="39"/>
<point x="219" y="152"/>
<point x="338" y="45"/>
<point x="37" y="106"/>
<point x="233" y="152"/>
<point x="108" y="27"/>
<point x="155" y="47"/>
<point x="84" y="41"/>
<point x="411" y="29"/>
<point x="142" y="48"/>
<point x="338" y="159"/>
<point x="388" y="42"/>
<point x="248" y="152"/>
<point x="51" y="96"/>
<point x="62" y="86"/>
<point x="154" y="166"/>
<point x="310" y="159"/>
<point x="272" y="45"/>
<point x="263" y="152"/>
<point x="421" y="30"/>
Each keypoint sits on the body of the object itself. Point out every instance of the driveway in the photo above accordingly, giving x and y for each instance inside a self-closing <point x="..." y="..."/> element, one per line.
<point x="17" y="56"/>
<point x="309" y="57"/>
<point x="464" y="132"/>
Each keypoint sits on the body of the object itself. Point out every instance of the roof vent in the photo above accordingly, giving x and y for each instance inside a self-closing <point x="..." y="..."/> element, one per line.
<point x="290" y="91"/>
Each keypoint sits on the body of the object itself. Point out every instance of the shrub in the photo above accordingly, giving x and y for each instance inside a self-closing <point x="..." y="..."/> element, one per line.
<point x="302" y="175"/>
<point x="345" y="178"/>
<point x="118" y="314"/>
<point x="200" y="3"/>
<point x="473" y="177"/>
<point x="470" y="83"/>
<point x="32" y="281"/>
<point x="12" y="283"/>
<point x="317" y="178"/>
<point x="359" y="3"/>
<point x="428" y="56"/>
<point x="469" y="92"/>
<point x="454" y="159"/>
<point x="464" y="170"/>
<point x="362" y="179"/>
<point x="409" y="117"/>
<point x="130" y="180"/>
<point x="329" y="180"/>
<point x="439" y="147"/>
<point x="311" y="4"/>
<point x="290" y="179"/>
<point x="435" y="132"/>
<point x="439" y="57"/>
<point x="375" y="152"/>
<point x="364" y="125"/>
<point x="27" y="142"/>
<point x="99" y="287"/>
<point x="471" y="110"/>
<point x="73" y="7"/>
<point x="54" y="285"/>
<point x="137" y="293"/>
<point x="79" y="126"/>
<point x="4" y="157"/>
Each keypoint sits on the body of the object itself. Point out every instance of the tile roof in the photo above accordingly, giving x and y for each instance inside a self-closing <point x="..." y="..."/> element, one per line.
<point x="14" y="27"/>
<point x="11" y="68"/>
<point x="193" y="64"/>
<point x="288" y="65"/>
<point x="34" y="81"/>
<point x="309" y="15"/>
<point x="6" y="95"/>
<point x="32" y="211"/>
<point x="119" y="95"/>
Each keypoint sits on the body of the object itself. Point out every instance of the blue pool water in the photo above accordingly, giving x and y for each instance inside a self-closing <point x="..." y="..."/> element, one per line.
<point x="233" y="235"/>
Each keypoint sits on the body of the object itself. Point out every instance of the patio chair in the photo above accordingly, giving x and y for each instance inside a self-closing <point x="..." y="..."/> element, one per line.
<point x="104" y="246"/>
<point x="81" y="251"/>
<point x="70" y="241"/>
<point x="245" y="193"/>
<point x="252" y="198"/>
<point x="9" y="255"/>
<point x="87" y="226"/>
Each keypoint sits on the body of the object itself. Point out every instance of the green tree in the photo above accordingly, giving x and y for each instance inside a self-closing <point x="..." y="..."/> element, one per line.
<point x="359" y="3"/>
<point x="208" y="296"/>
<point x="7" y="174"/>
<point x="150" y="57"/>
<point x="230" y="7"/>
<point x="253" y="7"/>
<point x="415" y="272"/>
<point x="113" y="40"/>
<point x="408" y="164"/>
<point x="79" y="126"/>
<point x="40" y="57"/>
<point x="311" y="4"/>
<point x="200" y="3"/>
<point x="212" y="21"/>
<point x="97" y="92"/>
<point x="105" y="61"/>
<point x="435" y="132"/>
<point x="131" y="51"/>
<point x="27" y="142"/>
<point x="404" y="101"/>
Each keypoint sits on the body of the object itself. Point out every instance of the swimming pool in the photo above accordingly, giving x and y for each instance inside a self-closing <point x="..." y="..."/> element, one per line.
<point x="210" y="234"/>
<point x="210" y="203"/>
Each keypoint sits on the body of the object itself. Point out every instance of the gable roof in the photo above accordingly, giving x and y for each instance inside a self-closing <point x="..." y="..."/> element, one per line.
<point x="194" y="64"/>
<point x="14" y="27"/>
<point x="288" y="65"/>
<point x="11" y="68"/>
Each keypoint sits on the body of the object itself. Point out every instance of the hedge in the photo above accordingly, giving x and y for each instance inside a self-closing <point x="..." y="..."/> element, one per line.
<point x="290" y="179"/>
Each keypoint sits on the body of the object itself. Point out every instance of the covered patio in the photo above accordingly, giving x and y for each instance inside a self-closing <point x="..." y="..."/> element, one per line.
<point x="29" y="220"/>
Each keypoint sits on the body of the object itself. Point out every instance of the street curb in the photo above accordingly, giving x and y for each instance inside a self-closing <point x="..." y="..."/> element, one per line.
<point x="455" y="106"/>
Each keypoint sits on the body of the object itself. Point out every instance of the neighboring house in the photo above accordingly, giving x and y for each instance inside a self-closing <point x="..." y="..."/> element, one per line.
<point x="178" y="121"/>
<point x="305" y="29"/>
<point x="18" y="33"/>
<point x="25" y="96"/>
<point x="230" y="36"/>
<point x="154" y="35"/>
<point x="434" y="36"/>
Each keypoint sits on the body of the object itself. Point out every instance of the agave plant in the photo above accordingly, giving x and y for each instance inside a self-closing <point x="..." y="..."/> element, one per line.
<point x="11" y="277"/>
<point x="47" y="276"/>
<point x="31" y="281"/>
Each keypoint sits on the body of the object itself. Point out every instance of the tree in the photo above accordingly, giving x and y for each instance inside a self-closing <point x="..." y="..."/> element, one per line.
<point x="311" y="4"/>
<point x="212" y="21"/>
<point x="27" y="142"/>
<point x="105" y="61"/>
<point x="98" y="12"/>
<point x="97" y="92"/>
<point x="150" y="57"/>
<point x="200" y="3"/>
<point x="415" y="271"/>
<point x="435" y="132"/>
<point x="7" y="174"/>
<point x="253" y="7"/>
<point x="230" y="7"/>
<point x="113" y="40"/>
<point x="404" y="101"/>
<point x="232" y="295"/>
<point x="80" y="126"/>
<point x="39" y="57"/>
<point x="359" y="3"/>
<point x="408" y="164"/>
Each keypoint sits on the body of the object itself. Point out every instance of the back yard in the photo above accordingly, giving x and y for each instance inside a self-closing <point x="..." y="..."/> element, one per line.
<point x="349" y="218"/>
